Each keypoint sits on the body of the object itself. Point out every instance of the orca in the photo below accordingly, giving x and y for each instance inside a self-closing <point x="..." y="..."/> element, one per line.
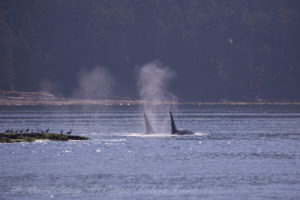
<point x="175" y="131"/>
<point x="149" y="128"/>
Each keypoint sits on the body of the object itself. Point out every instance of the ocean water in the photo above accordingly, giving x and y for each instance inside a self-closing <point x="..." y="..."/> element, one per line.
<point x="238" y="152"/>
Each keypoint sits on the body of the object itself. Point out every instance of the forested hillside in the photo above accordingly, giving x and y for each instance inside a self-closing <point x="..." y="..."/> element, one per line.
<point x="219" y="49"/>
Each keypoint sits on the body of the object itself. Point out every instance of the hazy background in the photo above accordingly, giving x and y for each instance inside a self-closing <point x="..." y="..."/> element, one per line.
<point x="205" y="49"/>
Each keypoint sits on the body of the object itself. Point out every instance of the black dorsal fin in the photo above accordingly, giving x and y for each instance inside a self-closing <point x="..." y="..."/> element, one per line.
<point x="149" y="128"/>
<point x="173" y="125"/>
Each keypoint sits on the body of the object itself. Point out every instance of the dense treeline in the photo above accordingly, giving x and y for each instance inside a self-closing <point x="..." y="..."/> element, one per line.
<point x="229" y="49"/>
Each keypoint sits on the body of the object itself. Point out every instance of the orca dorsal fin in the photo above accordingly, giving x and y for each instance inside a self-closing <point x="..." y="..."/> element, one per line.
<point x="173" y="125"/>
<point x="149" y="128"/>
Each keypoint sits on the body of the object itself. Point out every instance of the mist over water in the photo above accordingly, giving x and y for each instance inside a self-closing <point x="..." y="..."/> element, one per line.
<point x="153" y="84"/>
<point x="96" y="83"/>
<point x="54" y="87"/>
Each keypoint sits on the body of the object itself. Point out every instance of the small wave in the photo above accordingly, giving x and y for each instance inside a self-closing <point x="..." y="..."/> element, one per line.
<point x="41" y="141"/>
<point x="147" y="135"/>
<point x="75" y="141"/>
<point x="111" y="140"/>
<point x="160" y="135"/>
<point x="200" y="133"/>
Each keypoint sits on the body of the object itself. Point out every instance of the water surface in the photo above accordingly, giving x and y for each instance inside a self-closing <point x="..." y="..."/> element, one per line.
<point x="238" y="152"/>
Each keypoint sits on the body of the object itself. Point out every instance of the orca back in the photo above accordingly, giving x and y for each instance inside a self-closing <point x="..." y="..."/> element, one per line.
<point x="173" y="125"/>
<point x="176" y="131"/>
<point x="149" y="128"/>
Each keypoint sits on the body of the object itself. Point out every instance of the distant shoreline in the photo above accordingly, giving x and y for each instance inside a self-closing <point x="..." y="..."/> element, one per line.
<point x="79" y="102"/>
<point x="14" y="98"/>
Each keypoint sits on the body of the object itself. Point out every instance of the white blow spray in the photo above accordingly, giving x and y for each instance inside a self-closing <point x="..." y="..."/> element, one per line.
<point x="94" y="84"/>
<point x="53" y="87"/>
<point x="153" y="83"/>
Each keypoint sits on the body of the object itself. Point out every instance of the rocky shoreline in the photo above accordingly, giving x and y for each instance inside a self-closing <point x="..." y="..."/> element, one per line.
<point x="31" y="137"/>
